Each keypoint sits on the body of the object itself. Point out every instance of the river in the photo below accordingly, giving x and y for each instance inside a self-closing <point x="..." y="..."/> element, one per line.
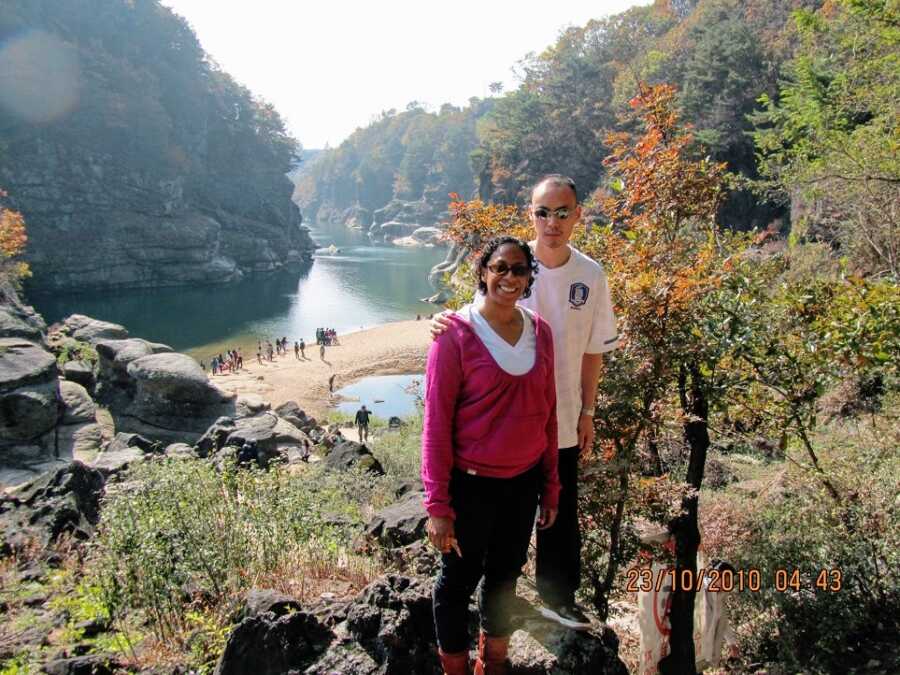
<point x="361" y="285"/>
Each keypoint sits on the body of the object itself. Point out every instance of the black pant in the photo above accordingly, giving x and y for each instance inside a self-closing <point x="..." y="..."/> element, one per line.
<point x="494" y="519"/>
<point x="558" y="564"/>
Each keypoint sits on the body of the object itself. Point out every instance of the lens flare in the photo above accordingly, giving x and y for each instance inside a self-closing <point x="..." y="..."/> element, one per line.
<point x="39" y="77"/>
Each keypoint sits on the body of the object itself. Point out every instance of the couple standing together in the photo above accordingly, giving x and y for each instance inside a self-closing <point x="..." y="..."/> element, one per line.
<point x="511" y="382"/>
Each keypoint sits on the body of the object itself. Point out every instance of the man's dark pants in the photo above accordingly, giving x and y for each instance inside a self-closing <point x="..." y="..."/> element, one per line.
<point x="558" y="563"/>
<point x="494" y="521"/>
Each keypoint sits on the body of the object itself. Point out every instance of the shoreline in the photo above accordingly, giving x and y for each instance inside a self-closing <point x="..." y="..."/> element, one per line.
<point x="394" y="348"/>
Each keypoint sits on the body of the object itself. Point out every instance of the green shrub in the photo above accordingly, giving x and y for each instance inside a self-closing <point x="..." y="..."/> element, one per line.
<point x="182" y="542"/>
<point x="73" y="350"/>
<point x="810" y="628"/>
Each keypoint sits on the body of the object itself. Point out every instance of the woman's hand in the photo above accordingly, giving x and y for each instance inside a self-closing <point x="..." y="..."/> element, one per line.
<point x="439" y="324"/>
<point x="442" y="535"/>
<point x="546" y="518"/>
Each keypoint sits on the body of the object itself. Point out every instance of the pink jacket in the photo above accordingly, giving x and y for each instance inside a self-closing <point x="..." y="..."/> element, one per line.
<point x="482" y="420"/>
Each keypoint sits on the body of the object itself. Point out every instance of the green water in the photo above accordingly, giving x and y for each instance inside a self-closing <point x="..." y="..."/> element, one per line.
<point x="360" y="286"/>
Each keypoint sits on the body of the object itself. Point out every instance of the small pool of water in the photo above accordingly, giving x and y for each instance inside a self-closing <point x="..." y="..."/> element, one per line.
<point x="385" y="395"/>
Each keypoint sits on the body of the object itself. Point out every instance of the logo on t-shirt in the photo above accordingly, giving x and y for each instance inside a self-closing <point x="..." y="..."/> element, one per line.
<point x="578" y="294"/>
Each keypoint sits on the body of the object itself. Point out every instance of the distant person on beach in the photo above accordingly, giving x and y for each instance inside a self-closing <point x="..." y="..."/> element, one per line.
<point x="489" y="453"/>
<point x="296" y="350"/>
<point x="302" y="348"/>
<point x="362" y="423"/>
<point x="322" y="351"/>
<point x="331" y="383"/>
<point x="259" y="356"/>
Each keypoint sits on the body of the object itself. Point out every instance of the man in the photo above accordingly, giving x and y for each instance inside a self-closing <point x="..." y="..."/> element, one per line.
<point x="302" y="349"/>
<point x="571" y="293"/>
<point x="362" y="424"/>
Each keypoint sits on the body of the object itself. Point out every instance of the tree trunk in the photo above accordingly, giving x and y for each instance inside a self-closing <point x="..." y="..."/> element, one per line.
<point x="602" y="590"/>
<point x="685" y="528"/>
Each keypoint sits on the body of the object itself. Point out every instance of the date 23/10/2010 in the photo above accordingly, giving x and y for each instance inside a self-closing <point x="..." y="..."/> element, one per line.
<point x="726" y="580"/>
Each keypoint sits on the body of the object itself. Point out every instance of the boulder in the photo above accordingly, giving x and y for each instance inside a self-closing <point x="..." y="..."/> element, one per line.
<point x="80" y="441"/>
<point x="214" y="437"/>
<point x="390" y="629"/>
<point x="81" y="372"/>
<point x="12" y="324"/>
<point x="78" y="405"/>
<point x="28" y="390"/>
<point x="268" y="432"/>
<point x="248" y="405"/>
<point x="291" y="412"/>
<point x="89" y="664"/>
<point x="401" y="523"/>
<point x="347" y="454"/>
<point x="262" y="600"/>
<point x="122" y="451"/>
<point x="173" y="399"/>
<point x="64" y="501"/>
<point x="545" y="647"/>
<point x="90" y="330"/>
<point x="180" y="451"/>
<point x="274" y="644"/>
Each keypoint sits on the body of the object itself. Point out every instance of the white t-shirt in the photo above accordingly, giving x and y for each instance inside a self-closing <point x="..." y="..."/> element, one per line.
<point x="515" y="359"/>
<point x="574" y="299"/>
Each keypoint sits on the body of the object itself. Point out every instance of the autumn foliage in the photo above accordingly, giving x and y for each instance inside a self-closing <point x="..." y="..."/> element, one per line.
<point x="12" y="243"/>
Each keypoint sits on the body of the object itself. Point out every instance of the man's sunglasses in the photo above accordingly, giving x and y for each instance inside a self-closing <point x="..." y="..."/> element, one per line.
<point x="542" y="212"/>
<point x="502" y="268"/>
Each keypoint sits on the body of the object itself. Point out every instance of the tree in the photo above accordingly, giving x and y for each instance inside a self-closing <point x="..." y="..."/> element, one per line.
<point x="13" y="238"/>
<point x="830" y="142"/>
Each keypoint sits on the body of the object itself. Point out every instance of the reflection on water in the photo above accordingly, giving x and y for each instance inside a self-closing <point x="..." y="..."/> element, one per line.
<point x="385" y="395"/>
<point x="358" y="286"/>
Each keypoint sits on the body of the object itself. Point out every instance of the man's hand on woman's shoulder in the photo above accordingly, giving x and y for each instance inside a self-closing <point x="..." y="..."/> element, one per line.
<point x="439" y="324"/>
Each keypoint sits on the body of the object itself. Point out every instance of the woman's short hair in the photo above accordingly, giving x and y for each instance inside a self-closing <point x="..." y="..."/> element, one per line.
<point x="491" y="248"/>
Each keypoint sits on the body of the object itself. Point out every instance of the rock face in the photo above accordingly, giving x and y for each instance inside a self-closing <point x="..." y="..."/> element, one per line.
<point x="422" y="236"/>
<point x="158" y="393"/>
<point x="63" y="501"/>
<point x="401" y="523"/>
<point x="28" y="391"/>
<point x="347" y="454"/>
<point x="277" y="641"/>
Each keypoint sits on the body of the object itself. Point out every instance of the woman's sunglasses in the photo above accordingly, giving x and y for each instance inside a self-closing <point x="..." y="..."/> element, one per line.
<point x="501" y="268"/>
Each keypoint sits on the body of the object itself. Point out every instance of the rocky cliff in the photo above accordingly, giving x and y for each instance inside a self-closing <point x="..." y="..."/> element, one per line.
<point x="137" y="163"/>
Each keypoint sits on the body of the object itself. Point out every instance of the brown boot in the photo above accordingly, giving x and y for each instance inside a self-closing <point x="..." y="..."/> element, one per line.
<point x="456" y="663"/>
<point x="492" y="655"/>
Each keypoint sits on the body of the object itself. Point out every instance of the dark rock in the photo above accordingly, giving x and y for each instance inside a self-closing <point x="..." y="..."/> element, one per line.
<point x="124" y="450"/>
<point x="262" y="600"/>
<point x="28" y="390"/>
<point x="32" y="573"/>
<point x="408" y="486"/>
<point x="92" y="627"/>
<point x="400" y="523"/>
<point x="545" y="647"/>
<point x="214" y="437"/>
<point x="347" y="454"/>
<point x="79" y="406"/>
<point x="395" y="423"/>
<point x="180" y="451"/>
<point x="63" y="501"/>
<point x="86" y="329"/>
<point x="290" y="412"/>
<point x="13" y="324"/>
<point x="81" y="372"/>
<point x="273" y="645"/>
<point x="391" y="621"/>
<point x="91" y="664"/>
<point x="268" y="432"/>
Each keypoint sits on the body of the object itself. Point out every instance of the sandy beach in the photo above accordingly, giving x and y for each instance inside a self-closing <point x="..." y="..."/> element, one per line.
<point x="391" y="349"/>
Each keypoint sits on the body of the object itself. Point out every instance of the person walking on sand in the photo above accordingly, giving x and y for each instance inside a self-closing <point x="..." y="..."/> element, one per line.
<point x="489" y="455"/>
<point x="322" y="351"/>
<point x="302" y="349"/>
<point x="362" y="423"/>
<point x="296" y="350"/>
<point x="572" y="294"/>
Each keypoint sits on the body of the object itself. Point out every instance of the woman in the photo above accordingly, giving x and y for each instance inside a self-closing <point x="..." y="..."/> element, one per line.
<point x="489" y="454"/>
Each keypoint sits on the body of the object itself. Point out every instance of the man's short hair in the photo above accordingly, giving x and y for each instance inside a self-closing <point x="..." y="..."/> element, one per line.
<point x="557" y="180"/>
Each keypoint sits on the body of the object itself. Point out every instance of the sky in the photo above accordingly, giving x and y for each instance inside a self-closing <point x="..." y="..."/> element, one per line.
<point x="331" y="66"/>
